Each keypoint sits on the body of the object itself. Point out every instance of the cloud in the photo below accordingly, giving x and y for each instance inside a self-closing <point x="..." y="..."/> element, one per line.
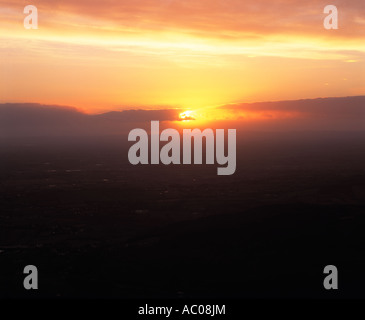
<point x="228" y="19"/>
<point x="185" y="53"/>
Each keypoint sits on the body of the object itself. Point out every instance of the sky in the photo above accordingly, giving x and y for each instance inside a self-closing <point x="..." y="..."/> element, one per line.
<point x="100" y="56"/>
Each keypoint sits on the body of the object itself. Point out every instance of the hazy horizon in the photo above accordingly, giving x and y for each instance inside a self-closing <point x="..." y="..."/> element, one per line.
<point x="322" y="114"/>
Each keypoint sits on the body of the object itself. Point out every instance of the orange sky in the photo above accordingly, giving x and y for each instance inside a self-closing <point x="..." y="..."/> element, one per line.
<point x="114" y="55"/>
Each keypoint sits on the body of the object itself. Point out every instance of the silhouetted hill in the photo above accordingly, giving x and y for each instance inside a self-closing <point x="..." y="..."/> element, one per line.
<point x="329" y="114"/>
<point x="350" y="107"/>
<point x="30" y="119"/>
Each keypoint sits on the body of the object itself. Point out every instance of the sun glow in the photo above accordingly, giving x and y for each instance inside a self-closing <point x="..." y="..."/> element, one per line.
<point x="187" y="116"/>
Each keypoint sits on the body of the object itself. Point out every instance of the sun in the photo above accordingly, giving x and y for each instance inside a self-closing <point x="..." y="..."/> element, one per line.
<point x="187" y="116"/>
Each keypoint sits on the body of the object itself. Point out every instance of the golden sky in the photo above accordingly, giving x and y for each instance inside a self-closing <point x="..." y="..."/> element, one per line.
<point x="114" y="55"/>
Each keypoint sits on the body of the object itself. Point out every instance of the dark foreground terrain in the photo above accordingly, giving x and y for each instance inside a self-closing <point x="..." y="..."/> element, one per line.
<point x="96" y="226"/>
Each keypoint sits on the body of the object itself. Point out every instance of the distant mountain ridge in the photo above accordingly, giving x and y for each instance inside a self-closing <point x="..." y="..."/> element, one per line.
<point x="24" y="119"/>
